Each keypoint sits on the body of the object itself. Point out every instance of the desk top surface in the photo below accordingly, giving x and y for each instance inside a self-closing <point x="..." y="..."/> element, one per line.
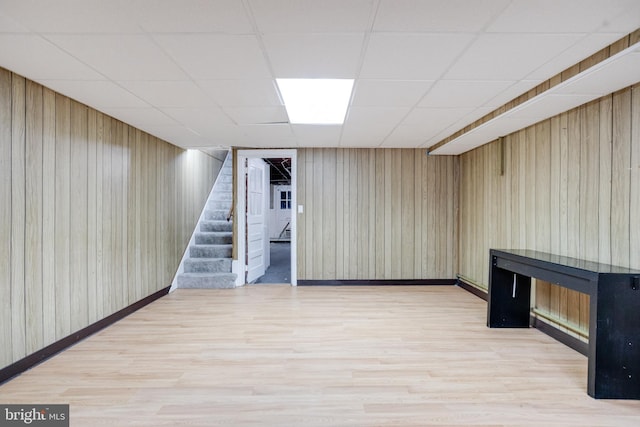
<point x="567" y="261"/>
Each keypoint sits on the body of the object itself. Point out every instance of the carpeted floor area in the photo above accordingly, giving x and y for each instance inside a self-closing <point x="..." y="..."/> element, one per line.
<point x="280" y="269"/>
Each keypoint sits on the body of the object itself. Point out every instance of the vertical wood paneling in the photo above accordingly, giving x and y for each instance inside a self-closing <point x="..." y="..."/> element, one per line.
<point x="555" y="226"/>
<point x="573" y="184"/>
<point x="329" y="165"/>
<point x="123" y="145"/>
<point x="417" y="200"/>
<point x="76" y="192"/>
<point x="396" y="212"/>
<point x="634" y="203"/>
<point x="309" y="207"/>
<point x="151" y="214"/>
<point x="407" y="206"/>
<point x="49" y="296"/>
<point x="604" y="180"/>
<point x="62" y="217"/>
<point x="78" y="243"/>
<point x="108" y="231"/>
<point x="302" y="217"/>
<point x="388" y="212"/>
<point x="542" y="147"/>
<point x="621" y="177"/>
<point x="92" y="215"/>
<point x="6" y="352"/>
<point x="371" y="250"/>
<point x="397" y="218"/>
<point x="136" y="231"/>
<point x="429" y="217"/>
<point x="34" y="216"/>
<point x="100" y="216"/>
<point x="379" y="236"/>
<point x="18" y="209"/>
<point x="564" y="210"/>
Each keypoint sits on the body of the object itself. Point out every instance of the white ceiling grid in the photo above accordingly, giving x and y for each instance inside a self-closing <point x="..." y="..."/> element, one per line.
<point x="200" y="73"/>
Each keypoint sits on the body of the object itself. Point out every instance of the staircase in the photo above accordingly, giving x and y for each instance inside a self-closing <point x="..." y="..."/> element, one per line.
<point x="208" y="262"/>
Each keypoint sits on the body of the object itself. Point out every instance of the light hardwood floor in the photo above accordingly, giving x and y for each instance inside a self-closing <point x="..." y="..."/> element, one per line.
<point x="332" y="356"/>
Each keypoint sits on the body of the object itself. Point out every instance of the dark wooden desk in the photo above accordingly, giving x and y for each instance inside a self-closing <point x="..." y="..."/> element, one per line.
<point x="614" y="311"/>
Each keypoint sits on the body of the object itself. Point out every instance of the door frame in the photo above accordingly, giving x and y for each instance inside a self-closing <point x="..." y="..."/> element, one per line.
<point x="239" y="265"/>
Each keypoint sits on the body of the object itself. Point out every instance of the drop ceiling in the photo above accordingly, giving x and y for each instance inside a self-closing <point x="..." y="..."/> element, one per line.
<point x="201" y="73"/>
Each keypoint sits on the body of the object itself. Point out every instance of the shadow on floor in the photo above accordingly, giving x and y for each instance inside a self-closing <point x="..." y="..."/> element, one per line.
<point x="280" y="269"/>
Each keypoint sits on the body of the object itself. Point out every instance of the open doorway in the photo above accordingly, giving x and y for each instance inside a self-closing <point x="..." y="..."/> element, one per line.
<point x="266" y="208"/>
<point x="279" y="214"/>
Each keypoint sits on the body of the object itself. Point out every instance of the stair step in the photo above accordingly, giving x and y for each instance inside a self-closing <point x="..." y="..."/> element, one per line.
<point x="214" y="238"/>
<point x="207" y="280"/>
<point x="226" y="195"/>
<point x="210" y="251"/>
<point x="225" y="178"/>
<point x="216" y="226"/>
<point x="207" y="265"/>
<point x="226" y="187"/>
<point x="216" y="215"/>
<point x="223" y="205"/>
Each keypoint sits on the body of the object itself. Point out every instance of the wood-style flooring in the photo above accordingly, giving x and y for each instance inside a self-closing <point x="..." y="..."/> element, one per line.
<point x="319" y="356"/>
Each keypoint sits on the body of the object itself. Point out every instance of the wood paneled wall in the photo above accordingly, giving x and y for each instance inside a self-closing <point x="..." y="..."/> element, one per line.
<point x="94" y="214"/>
<point x="376" y="214"/>
<point x="571" y="186"/>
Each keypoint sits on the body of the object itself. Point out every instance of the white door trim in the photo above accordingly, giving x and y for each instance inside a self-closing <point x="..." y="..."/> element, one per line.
<point x="239" y="265"/>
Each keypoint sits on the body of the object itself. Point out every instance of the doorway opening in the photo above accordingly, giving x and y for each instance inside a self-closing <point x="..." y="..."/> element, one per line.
<point x="266" y="206"/>
<point x="278" y="269"/>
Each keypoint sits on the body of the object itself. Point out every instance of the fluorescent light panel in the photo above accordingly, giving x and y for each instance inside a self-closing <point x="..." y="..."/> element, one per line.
<point x="316" y="101"/>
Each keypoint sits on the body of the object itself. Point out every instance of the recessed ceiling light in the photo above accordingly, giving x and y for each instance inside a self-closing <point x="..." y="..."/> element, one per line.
<point x="316" y="101"/>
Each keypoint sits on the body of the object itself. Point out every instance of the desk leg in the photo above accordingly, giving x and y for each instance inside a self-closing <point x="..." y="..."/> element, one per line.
<point x="614" y="340"/>
<point x="508" y="307"/>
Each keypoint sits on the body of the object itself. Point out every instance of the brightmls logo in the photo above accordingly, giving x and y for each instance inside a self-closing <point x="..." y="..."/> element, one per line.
<point x="34" y="415"/>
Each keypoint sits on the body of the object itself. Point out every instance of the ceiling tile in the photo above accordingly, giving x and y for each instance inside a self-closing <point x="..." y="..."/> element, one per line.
<point x="257" y="115"/>
<point x="436" y="15"/>
<point x="509" y="56"/>
<point x="98" y="94"/>
<point x="202" y="120"/>
<point x="463" y="93"/>
<point x="389" y="93"/>
<point x="375" y="117"/>
<point x="36" y="58"/>
<point x="73" y="16"/>
<point x="178" y="94"/>
<point x="193" y="16"/>
<point x="218" y="56"/>
<point x="140" y="117"/>
<point x="181" y="136"/>
<point x="314" y="55"/>
<point x="565" y="16"/>
<point x="267" y="131"/>
<point x="311" y="16"/>
<point x="398" y="56"/>
<point x="627" y="21"/>
<point x="317" y="135"/>
<point x="120" y="57"/>
<point x="371" y="124"/>
<point x="427" y="118"/>
<point x="242" y="93"/>
<point x="8" y="25"/>
<point x="407" y="136"/>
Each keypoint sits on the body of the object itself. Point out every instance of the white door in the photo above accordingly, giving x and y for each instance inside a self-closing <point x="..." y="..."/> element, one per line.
<point x="256" y="219"/>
